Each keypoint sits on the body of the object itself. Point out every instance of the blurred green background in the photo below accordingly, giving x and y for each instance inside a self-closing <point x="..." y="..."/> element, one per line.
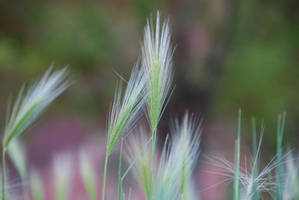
<point x="230" y="54"/>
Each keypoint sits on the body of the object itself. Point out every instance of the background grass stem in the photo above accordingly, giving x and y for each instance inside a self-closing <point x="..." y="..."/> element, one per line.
<point x="3" y="197"/>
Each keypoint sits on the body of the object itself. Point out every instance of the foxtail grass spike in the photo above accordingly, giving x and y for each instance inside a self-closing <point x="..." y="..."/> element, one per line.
<point x="176" y="164"/>
<point x="157" y="63"/>
<point x="125" y="107"/>
<point x="28" y="106"/>
<point x="291" y="179"/>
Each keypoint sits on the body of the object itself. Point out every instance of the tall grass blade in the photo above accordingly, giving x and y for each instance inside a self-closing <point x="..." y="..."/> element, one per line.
<point x="279" y="171"/>
<point x="255" y="155"/>
<point x="237" y="160"/>
<point x="120" y="182"/>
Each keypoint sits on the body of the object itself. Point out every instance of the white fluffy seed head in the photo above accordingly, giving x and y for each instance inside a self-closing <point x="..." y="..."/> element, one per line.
<point x="125" y="107"/>
<point x="264" y="179"/>
<point x="139" y="151"/>
<point x="31" y="102"/>
<point x="291" y="179"/>
<point x="176" y="164"/>
<point x="157" y="63"/>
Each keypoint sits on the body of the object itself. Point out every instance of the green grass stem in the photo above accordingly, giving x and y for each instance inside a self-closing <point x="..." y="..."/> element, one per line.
<point x="237" y="161"/>
<point x="105" y="176"/>
<point x="120" y="182"/>
<point x="279" y="170"/>
<point x="255" y="154"/>
<point x="3" y="197"/>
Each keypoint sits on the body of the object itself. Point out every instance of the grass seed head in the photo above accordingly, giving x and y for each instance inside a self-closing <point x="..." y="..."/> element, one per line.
<point x="125" y="107"/>
<point x="176" y="164"/>
<point x="157" y="63"/>
<point x="30" y="103"/>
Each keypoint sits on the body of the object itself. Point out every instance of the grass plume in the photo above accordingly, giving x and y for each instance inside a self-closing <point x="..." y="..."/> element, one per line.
<point x="28" y="106"/>
<point x="124" y="110"/>
<point x="157" y="63"/>
<point x="291" y="179"/>
<point x="176" y="163"/>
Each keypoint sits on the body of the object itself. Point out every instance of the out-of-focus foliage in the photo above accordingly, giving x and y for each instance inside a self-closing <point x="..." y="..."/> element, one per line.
<point x="76" y="34"/>
<point x="262" y="68"/>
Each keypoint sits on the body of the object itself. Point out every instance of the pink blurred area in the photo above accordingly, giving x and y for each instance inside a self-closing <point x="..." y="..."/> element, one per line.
<point x="67" y="135"/>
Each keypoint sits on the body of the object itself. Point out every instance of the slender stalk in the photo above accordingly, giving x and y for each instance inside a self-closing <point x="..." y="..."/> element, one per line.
<point x="3" y="174"/>
<point x="237" y="161"/>
<point x="104" y="176"/>
<point x="255" y="166"/>
<point x="119" y="173"/>
<point x="279" y="170"/>
<point x="154" y="136"/>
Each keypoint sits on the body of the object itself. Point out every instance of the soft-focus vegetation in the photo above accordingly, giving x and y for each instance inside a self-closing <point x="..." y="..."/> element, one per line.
<point x="228" y="55"/>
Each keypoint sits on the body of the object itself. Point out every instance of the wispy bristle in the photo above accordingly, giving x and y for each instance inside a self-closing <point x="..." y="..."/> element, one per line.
<point x="32" y="102"/>
<point x="125" y="107"/>
<point x="174" y="173"/>
<point x="157" y="63"/>
<point x="264" y="179"/>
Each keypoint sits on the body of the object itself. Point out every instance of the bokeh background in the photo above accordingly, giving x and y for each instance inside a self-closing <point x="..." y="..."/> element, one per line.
<point x="230" y="54"/>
